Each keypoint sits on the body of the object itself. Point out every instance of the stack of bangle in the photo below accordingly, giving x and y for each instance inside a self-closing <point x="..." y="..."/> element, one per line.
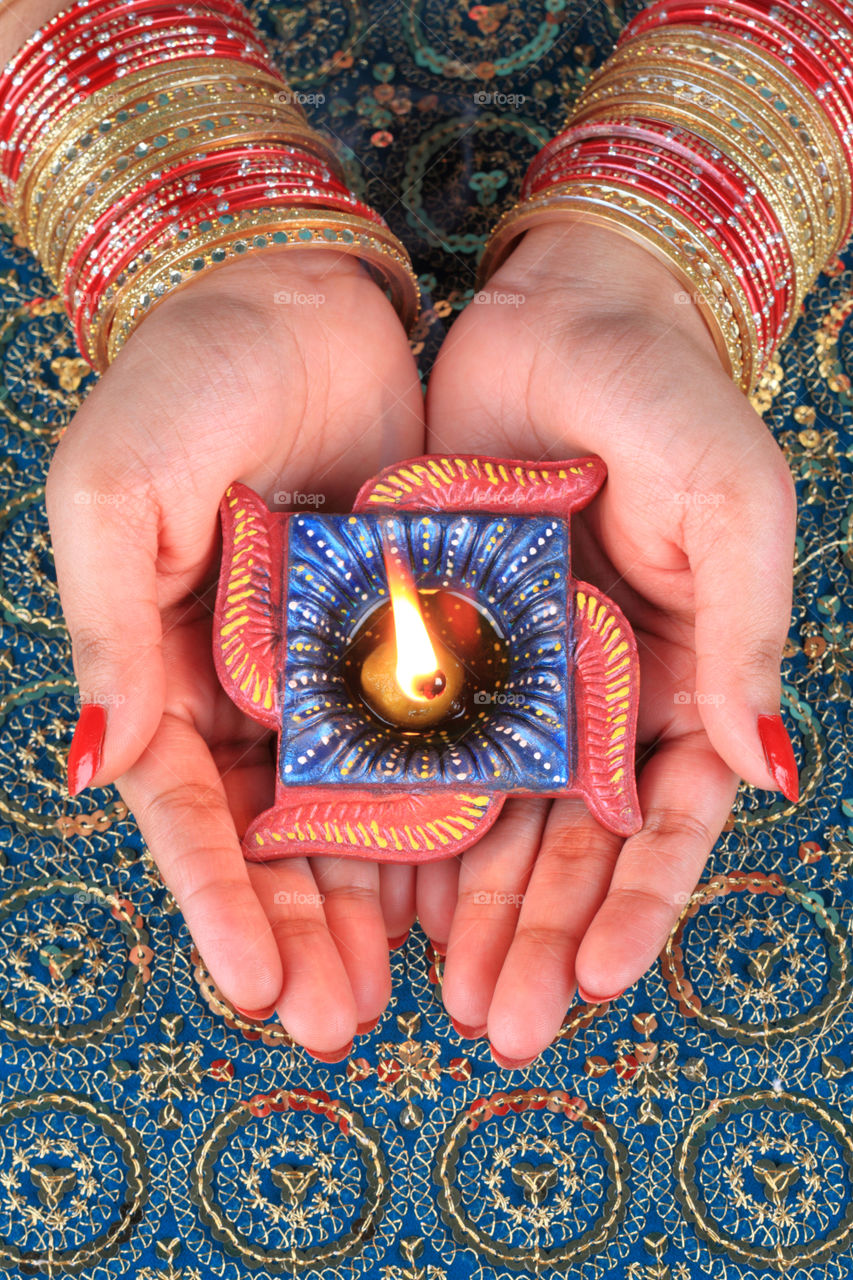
<point x="720" y="137"/>
<point x="144" y="142"/>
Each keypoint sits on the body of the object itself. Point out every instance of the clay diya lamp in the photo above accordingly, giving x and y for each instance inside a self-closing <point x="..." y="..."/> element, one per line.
<point x="424" y="657"/>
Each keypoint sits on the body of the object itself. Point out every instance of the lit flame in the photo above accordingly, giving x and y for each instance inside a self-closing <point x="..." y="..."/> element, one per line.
<point x="417" y="670"/>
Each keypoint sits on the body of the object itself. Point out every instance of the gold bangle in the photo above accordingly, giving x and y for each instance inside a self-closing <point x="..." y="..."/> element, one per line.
<point x="103" y="117"/>
<point x="171" y="107"/>
<point x="263" y="229"/>
<point x="806" y="151"/>
<point x="698" y="96"/>
<point x="753" y="63"/>
<point x="101" y="190"/>
<point x="390" y="268"/>
<point x="247" y="122"/>
<point x="135" y="149"/>
<point x="111" y="194"/>
<point x="663" y="231"/>
<point x="109" y="103"/>
<point x="764" y="170"/>
<point x="671" y="169"/>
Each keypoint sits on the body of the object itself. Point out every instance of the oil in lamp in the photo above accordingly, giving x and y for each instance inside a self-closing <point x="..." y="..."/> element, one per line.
<point x="425" y="656"/>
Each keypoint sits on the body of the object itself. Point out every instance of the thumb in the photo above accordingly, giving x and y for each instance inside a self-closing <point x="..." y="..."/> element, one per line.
<point x="104" y="530"/>
<point x="741" y="551"/>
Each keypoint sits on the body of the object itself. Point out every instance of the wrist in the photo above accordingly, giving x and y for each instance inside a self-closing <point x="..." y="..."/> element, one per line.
<point x="265" y="290"/>
<point x="262" y="274"/>
<point x="608" y="273"/>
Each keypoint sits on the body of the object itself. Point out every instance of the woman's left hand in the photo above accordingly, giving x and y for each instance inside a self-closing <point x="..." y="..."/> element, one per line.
<point x="583" y="343"/>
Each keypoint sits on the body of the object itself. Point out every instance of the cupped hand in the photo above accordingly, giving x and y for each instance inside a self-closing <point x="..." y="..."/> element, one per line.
<point x="582" y="343"/>
<point x="289" y="372"/>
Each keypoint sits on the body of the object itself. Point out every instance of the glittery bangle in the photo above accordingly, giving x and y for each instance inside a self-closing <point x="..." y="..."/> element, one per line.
<point x="115" y="201"/>
<point x="266" y="230"/>
<point x="684" y="156"/>
<point x="202" y="78"/>
<point x="705" y="161"/>
<point x="807" y="45"/>
<point x="810" y="132"/>
<point x="662" y="231"/>
<point x="48" y="106"/>
<point x="147" y="240"/>
<point x="64" y="165"/>
<point x="720" y="137"/>
<point x="250" y="121"/>
<point x="649" y="174"/>
<point x="128" y="130"/>
<point x="765" y="167"/>
<point x="743" y="120"/>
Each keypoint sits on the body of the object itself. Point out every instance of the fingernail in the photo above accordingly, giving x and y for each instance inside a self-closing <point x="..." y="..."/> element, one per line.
<point x="440" y="948"/>
<point x="87" y="743"/>
<point x="599" y="999"/>
<point x="511" y="1064"/>
<point x="364" y="1028"/>
<point x="335" y="1056"/>
<point x="779" y="755"/>
<point x="468" y="1033"/>
<point x="394" y="943"/>
<point x="84" y="757"/>
<point x="257" y="1015"/>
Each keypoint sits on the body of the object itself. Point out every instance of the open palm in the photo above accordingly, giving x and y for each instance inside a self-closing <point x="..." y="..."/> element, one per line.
<point x="291" y="373"/>
<point x="582" y="344"/>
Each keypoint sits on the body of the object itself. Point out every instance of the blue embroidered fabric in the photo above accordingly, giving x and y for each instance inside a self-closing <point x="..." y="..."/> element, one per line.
<point x="699" y="1124"/>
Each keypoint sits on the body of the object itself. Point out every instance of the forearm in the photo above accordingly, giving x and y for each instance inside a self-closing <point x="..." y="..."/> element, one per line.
<point x="728" y="160"/>
<point x="97" y="167"/>
<point x="19" y="19"/>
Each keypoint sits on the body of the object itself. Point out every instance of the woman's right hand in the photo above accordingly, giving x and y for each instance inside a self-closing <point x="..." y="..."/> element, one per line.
<point x="285" y="371"/>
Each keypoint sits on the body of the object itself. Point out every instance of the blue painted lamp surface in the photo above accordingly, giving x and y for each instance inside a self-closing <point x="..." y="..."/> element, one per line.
<point x="514" y="567"/>
<point x="546" y="694"/>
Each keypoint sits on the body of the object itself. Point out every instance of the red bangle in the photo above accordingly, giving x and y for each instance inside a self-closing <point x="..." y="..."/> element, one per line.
<point x="98" y="257"/>
<point x="677" y="140"/>
<point x="103" y="275"/>
<point x="651" y="81"/>
<point x="669" y="169"/>
<point x="91" y="18"/>
<point x="624" y="171"/>
<point x="752" y="21"/>
<point x="17" y="147"/>
<point x="220" y="174"/>
<point x="52" y="59"/>
<point x="229" y="142"/>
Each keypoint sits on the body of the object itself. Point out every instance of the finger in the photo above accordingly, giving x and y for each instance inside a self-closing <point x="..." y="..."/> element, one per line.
<point x="104" y="532"/>
<point x="177" y="798"/>
<point x="247" y="773"/>
<point x="740" y="544"/>
<point x="353" y="911"/>
<point x="568" y="882"/>
<point x="436" y="891"/>
<point x="492" y="883"/>
<point x="316" y="1004"/>
<point x="397" y="895"/>
<point x="686" y="793"/>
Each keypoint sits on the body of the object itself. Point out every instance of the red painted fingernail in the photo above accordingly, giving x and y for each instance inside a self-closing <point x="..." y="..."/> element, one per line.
<point x="599" y="999"/>
<point x="257" y="1015"/>
<point x="440" y="948"/>
<point x="511" y="1064"/>
<point x="335" y="1056"/>
<point x="468" y="1033"/>
<point x="364" y="1028"/>
<point x="84" y="757"/>
<point x="779" y="755"/>
<point x="394" y="943"/>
